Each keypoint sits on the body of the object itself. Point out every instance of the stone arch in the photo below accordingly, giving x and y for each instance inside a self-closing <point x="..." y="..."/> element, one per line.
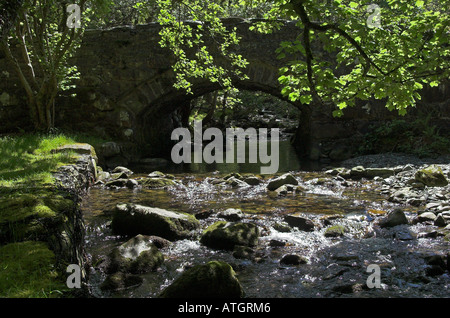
<point x="154" y="123"/>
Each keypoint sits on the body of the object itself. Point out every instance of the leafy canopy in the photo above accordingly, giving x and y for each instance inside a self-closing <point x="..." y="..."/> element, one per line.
<point x="384" y="50"/>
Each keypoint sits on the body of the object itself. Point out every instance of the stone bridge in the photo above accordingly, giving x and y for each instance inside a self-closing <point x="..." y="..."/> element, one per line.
<point x="127" y="75"/>
<point x="126" y="92"/>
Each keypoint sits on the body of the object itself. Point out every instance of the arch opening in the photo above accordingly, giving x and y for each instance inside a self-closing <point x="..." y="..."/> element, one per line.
<point x="245" y="108"/>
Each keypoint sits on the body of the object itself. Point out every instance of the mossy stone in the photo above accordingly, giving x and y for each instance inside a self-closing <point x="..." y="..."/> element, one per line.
<point x="215" y="279"/>
<point x="133" y="219"/>
<point x="335" y="231"/>
<point x="431" y="176"/>
<point x="226" y="235"/>
<point x="153" y="183"/>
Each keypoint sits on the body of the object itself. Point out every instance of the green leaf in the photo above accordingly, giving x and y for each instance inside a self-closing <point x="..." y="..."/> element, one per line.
<point x="306" y="99"/>
<point x="434" y="83"/>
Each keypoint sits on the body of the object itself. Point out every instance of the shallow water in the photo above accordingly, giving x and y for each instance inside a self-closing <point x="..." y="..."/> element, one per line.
<point x="336" y="266"/>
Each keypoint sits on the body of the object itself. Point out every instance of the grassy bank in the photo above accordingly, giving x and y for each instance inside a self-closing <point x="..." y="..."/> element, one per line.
<point x="30" y="205"/>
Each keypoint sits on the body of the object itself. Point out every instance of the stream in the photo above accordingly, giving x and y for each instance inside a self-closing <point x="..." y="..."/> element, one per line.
<point x="336" y="267"/>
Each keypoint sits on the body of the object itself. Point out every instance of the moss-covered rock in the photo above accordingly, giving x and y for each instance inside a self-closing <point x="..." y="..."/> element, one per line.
<point x="133" y="219"/>
<point x="431" y="176"/>
<point x="25" y="216"/>
<point x="335" y="231"/>
<point x="213" y="280"/>
<point x="226" y="235"/>
<point x="153" y="183"/>
<point x="137" y="255"/>
<point x="282" y="180"/>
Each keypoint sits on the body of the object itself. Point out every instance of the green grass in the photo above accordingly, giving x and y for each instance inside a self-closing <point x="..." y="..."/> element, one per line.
<point x="29" y="202"/>
<point x="27" y="160"/>
<point x="27" y="271"/>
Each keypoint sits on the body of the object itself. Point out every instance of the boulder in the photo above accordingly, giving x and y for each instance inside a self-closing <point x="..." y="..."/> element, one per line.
<point x="287" y="178"/>
<point x="226" y="235"/>
<point x="440" y="221"/>
<point x="293" y="259"/>
<point x="133" y="219"/>
<point x="431" y="176"/>
<point x="396" y="217"/>
<point x="300" y="222"/>
<point x="136" y="256"/>
<point x="153" y="183"/>
<point x="215" y="279"/>
<point x="252" y="180"/>
<point x="122" y="170"/>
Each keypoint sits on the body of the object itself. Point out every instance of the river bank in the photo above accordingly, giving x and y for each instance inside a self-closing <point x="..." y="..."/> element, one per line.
<point x="42" y="180"/>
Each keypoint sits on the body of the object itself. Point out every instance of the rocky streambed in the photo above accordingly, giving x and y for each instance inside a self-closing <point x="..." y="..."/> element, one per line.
<point x="297" y="234"/>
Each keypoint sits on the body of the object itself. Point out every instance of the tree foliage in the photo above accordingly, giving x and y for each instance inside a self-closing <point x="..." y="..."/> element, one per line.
<point x="45" y="44"/>
<point x="388" y="51"/>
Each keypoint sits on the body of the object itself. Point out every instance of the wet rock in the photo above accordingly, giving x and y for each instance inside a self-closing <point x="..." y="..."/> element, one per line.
<point x="277" y="243"/>
<point x="243" y="252"/>
<point x="434" y="270"/>
<point x="335" y="231"/>
<point x="404" y="234"/>
<point x="119" y="183"/>
<point x="137" y="255"/>
<point x="131" y="184"/>
<point x="236" y="183"/>
<point x="121" y="280"/>
<point x="357" y="172"/>
<point x="431" y="176"/>
<point x="213" y="280"/>
<point x="282" y="180"/>
<point x="293" y="259"/>
<point x="282" y="227"/>
<point x="349" y="288"/>
<point x="252" y="180"/>
<point x="282" y="191"/>
<point x="231" y="215"/>
<point x="120" y="169"/>
<point x="300" y="222"/>
<point x="202" y="215"/>
<point x="327" y="219"/>
<point x="426" y="217"/>
<point x="440" y="221"/>
<point x="394" y="218"/>
<point x="402" y="195"/>
<point x="226" y="235"/>
<point x="133" y="219"/>
<point x="153" y="183"/>
<point x="103" y="176"/>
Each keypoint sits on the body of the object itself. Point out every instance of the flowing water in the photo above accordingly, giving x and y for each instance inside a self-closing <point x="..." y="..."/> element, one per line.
<point x="336" y="266"/>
